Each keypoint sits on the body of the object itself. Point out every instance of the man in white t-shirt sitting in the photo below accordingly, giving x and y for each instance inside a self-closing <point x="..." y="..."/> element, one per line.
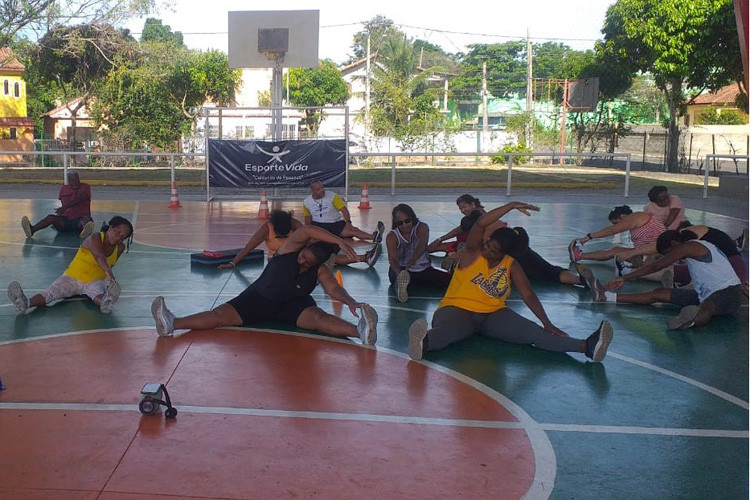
<point x="326" y="209"/>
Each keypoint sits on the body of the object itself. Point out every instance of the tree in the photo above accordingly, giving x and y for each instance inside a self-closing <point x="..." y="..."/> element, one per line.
<point x="155" y="31"/>
<point x="402" y="102"/>
<point x="17" y="16"/>
<point x="77" y="58"/>
<point x="676" y="41"/>
<point x="316" y="87"/>
<point x="153" y="99"/>
<point x="379" y="29"/>
<point x="506" y="70"/>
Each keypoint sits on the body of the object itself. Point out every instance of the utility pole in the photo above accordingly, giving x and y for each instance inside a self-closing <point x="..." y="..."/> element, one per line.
<point x="485" y="117"/>
<point x="529" y="94"/>
<point x="367" y="96"/>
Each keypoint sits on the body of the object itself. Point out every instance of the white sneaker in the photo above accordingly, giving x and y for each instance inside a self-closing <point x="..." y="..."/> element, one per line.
<point x="19" y="299"/>
<point x="367" y="326"/>
<point x="402" y="283"/>
<point x="417" y="334"/>
<point x="163" y="317"/>
<point x="26" y="225"/>
<point x="111" y="294"/>
<point x="667" y="279"/>
<point x="88" y="228"/>
<point x="373" y="255"/>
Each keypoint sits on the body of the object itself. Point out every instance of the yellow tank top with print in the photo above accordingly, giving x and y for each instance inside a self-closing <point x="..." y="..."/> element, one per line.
<point x="479" y="288"/>
<point x="84" y="267"/>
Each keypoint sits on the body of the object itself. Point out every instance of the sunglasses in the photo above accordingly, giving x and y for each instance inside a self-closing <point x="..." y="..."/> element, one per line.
<point x="402" y="222"/>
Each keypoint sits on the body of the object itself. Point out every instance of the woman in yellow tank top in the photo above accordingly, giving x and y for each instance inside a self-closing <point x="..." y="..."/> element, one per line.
<point x="475" y="300"/>
<point x="89" y="273"/>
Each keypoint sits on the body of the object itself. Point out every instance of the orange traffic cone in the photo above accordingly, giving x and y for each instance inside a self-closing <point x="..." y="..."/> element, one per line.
<point x="174" y="200"/>
<point x="364" y="201"/>
<point x="263" y="209"/>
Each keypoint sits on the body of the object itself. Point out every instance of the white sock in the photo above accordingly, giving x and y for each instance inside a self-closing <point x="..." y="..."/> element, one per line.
<point x="610" y="296"/>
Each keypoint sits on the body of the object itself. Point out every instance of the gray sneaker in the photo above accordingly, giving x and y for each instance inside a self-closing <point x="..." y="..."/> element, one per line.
<point x="373" y="254"/>
<point x="26" y="225"/>
<point x="417" y="334"/>
<point x="667" y="279"/>
<point x="111" y="294"/>
<point x="19" y="299"/>
<point x="598" y="293"/>
<point x="88" y="228"/>
<point x="368" y="325"/>
<point x="685" y="319"/>
<point x="402" y="283"/>
<point x="587" y="275"/>
<point x="163" y="317"/>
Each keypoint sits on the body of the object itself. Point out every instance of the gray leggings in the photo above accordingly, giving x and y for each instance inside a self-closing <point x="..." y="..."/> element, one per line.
<point x="453" y="324"/>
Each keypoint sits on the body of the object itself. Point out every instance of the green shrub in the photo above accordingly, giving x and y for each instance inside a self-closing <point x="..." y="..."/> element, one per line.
<point x="512" y="148"/>
<point x="721" y="116"/>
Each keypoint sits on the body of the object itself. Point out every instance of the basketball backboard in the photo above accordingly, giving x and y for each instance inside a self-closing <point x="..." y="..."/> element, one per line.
<point x="254" y="33"/>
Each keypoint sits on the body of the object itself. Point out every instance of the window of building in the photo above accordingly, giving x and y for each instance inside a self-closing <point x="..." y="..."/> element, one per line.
<point x="16" y="89"/>
<point x="13" y="133"/>
<point x="6" y="87"/>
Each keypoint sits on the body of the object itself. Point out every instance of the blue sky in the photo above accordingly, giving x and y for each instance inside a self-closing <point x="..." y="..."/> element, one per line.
<point x="451" y="25"/>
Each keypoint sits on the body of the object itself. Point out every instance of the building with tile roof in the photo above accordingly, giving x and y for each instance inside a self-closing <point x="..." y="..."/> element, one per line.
<point x="16" y="128"/>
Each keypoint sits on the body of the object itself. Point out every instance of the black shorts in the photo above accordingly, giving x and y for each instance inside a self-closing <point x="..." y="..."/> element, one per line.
<point x="331" y="227"/>
<point x="254" y="308"/>
<point x="74" y="224"/>
<point x="727" y="300"/>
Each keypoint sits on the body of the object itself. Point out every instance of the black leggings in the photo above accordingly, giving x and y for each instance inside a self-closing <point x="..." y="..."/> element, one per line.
<point x="430" y="277"/>
<point x="534" y="266"/>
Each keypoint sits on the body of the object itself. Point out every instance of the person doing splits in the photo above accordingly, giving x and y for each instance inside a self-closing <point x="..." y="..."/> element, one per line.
<point x="89" y="273"/>
<point x="475" y="301"/>
<point x="282" y="293"/>
<point x="74" y="213"/>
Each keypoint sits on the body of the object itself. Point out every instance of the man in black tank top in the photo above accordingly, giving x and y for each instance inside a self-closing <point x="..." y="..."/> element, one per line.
<point x="282" y="293"/>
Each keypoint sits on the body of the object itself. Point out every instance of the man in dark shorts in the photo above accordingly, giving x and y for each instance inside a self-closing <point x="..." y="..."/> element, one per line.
<point x="282" y="293"/>
<point x="716" y="286"/>
<point x="326" y="209"/>
<point x="74" y="214"/>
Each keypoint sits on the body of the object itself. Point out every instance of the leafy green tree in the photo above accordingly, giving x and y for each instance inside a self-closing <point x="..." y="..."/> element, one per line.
<point x="154" y="99"/>
<point x="676" y="41"/>
<point x="402" y="102"/>
<point x="316" y="87"/>
<point x="155" y="31"/>
<point x="506" y="70"/>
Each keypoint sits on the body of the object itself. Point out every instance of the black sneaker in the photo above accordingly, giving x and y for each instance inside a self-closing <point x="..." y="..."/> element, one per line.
<point x="623" y="267"/>
<point x="373" y="254"/>
<point x="741" y="241"/>
<point x="598" y="293"/>
<point x="377" y="235"/>
<point x="598" y="342"/>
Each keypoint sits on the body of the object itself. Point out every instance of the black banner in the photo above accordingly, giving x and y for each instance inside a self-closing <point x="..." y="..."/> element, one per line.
<point x="276" y="163"/>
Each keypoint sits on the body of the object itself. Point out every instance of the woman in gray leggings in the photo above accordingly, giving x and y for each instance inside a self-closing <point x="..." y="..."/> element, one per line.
<point x="475" y="300"/>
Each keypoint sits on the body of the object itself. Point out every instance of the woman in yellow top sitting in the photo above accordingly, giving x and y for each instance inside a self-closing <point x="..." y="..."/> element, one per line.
<point x="89" y="273"/>
<point x="475" y="300"/>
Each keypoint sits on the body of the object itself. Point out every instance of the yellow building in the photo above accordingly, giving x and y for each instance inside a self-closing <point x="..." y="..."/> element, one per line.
<point x="16" y="129"/>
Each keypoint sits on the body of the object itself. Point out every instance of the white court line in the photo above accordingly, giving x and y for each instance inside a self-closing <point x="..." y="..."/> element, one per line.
<point x="716" y="392"/>
<point x="395" y="419"/>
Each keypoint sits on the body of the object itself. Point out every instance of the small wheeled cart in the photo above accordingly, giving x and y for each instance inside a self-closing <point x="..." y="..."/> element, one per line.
<point x="154" y="396"/>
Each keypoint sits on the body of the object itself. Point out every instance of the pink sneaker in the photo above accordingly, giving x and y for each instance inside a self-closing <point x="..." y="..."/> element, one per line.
<point x="574" y="251"/>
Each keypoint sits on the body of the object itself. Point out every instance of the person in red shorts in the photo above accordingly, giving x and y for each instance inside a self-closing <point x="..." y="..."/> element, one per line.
<point x="74" y="213"/>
